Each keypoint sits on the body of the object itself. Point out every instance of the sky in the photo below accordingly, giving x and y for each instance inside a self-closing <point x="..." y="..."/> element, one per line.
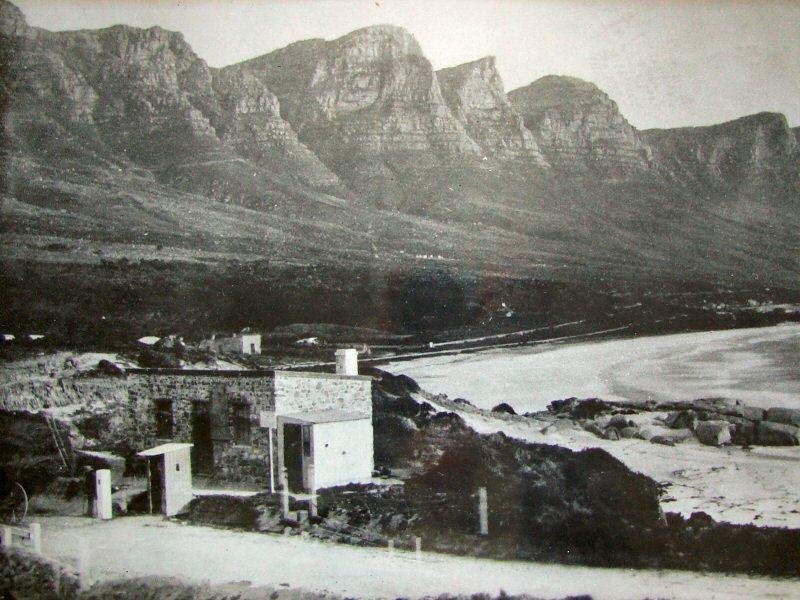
<point x="667" y="63"/>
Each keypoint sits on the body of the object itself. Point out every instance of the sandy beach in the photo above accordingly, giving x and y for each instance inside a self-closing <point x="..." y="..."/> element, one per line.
<point x="760" y="367"/>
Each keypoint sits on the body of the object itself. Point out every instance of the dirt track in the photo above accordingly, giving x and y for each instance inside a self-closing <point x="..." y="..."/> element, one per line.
<point x="151" y="546"/>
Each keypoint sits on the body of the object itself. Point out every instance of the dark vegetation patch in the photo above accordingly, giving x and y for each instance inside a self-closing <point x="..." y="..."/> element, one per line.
<point x="118" y="301"/>
<point x="28" y="454"/>
<point x="27" y="576"/>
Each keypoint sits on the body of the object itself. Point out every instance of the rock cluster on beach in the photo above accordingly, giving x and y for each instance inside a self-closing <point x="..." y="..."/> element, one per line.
<point x="712" y="421"/>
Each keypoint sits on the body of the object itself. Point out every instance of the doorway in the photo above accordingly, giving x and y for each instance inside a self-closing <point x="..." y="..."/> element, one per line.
<point x="293" y="456"/>
<point x="156" y="484"/>
<point x="203" y="449"/>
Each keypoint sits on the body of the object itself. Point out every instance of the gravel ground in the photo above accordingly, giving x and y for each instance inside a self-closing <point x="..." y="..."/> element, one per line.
<point x="139" y="546"/>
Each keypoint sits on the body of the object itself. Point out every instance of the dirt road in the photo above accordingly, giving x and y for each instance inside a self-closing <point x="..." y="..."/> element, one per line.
<point x="151" y="546"/>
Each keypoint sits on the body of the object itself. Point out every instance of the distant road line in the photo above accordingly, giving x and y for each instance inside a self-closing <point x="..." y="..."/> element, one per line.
<point x="453" y="351"/>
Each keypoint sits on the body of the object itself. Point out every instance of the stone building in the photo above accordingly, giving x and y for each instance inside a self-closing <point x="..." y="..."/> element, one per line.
<point x="237" y="421"/>
<point x="232" y="418"/>
<point x="238" y="343"/>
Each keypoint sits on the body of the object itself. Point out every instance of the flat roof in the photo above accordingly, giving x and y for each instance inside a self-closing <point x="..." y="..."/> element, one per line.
<point x="164" y="449"/>
<point x="314" y="417"/>
<point x="267" y="373"/>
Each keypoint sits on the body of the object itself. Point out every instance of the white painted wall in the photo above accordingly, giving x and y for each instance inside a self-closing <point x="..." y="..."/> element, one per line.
<point x="177" y="481"/>
<point x="342" y="452"/>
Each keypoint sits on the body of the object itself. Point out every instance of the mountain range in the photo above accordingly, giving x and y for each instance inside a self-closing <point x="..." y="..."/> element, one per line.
<point x="123" y="142"/>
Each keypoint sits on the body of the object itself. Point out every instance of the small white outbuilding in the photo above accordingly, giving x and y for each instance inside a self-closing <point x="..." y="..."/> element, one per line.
<point x="169" y="477"/>
<point x="320" y="449"/>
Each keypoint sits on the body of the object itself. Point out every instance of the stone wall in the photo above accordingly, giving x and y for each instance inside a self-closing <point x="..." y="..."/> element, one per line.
<point x="243" y="462"/>
<point x="303" y="392"/>
<point x="119" y="412"/>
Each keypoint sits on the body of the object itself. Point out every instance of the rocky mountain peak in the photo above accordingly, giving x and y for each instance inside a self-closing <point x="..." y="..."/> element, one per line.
<point x="577" y="126"/>
<point x="366" y="96"/>
<point x="752" y="155"/>
<point x="12" y="21"/>
<point x="381" y="40"/>
<point x="474" y="92"/>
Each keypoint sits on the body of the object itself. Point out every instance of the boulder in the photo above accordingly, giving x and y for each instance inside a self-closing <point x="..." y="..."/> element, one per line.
<point x="787" y="416"/>
<point x="594" y="428"/>
<point x="612" y="433"/>
<point x="744" y="434"/>
<point x="661" y="439"/>
<point x="558" y="425"/>
<point x="678" y="435"/>
<point x="751" y="413"/>
<point x="645" y="433"/>
<point x="713" y="433"/>
<point x="504" y="408"/>
<point x="620" y="422"/>
<point x="628" y="432"/>
<point x="777" y="434"/>
<point x="733" y="419"/>
<point x="717" y="405"/>
<point x="685" y="419"/>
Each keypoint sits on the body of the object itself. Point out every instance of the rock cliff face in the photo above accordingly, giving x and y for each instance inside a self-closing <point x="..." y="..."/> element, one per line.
<point x="116" y="128"/>
<point x="474" y="92"/>
<point x="754" y="155"/>
<point x="249" y="122"/>
<point x="369" y="93"/>
<point x="12" y="21"/>
<point x="146" y="97"/>
<point x="580" y="128"/>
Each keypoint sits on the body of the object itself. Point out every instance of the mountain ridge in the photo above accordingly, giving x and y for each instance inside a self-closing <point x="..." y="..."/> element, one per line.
<point x="356" y="149"/>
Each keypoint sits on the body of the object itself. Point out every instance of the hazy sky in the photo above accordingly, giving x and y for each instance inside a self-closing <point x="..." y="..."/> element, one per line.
<point x="667" y="63"/>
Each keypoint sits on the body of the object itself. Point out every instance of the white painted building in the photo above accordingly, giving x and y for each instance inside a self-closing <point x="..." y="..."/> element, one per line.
<point x="325" y="448"/>
<point x="238" y="343"/>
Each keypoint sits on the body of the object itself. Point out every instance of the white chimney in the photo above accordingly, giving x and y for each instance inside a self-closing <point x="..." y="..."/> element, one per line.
<point x="347" y="361"/>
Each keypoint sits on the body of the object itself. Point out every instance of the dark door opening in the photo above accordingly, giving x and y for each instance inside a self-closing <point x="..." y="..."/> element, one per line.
<point x="203" y="449"/>
<point x="293" y="456"/>
<point x="156" y="484"/>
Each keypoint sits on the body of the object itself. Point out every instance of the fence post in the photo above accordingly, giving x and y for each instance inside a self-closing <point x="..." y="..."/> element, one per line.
<point x="391" y="546"/>
<point x="418" y="548"/>
<point x="36" y="537"/>
<point x="7" y="540"/>
<point x="483" y="507"/>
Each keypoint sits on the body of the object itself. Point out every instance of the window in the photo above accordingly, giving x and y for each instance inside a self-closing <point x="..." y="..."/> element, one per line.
<point x="164" y="421"/>
<point x="241" y="423"/>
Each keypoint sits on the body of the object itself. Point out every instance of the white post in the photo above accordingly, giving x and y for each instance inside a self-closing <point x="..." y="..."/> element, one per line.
<point x="391" y="546"/>
<point x="7" y="539"/>
<point x="483" y="502"/>
<point x="36" y="537"/>
<point x="418" y="548"/>
<point x="102" y="478"/>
